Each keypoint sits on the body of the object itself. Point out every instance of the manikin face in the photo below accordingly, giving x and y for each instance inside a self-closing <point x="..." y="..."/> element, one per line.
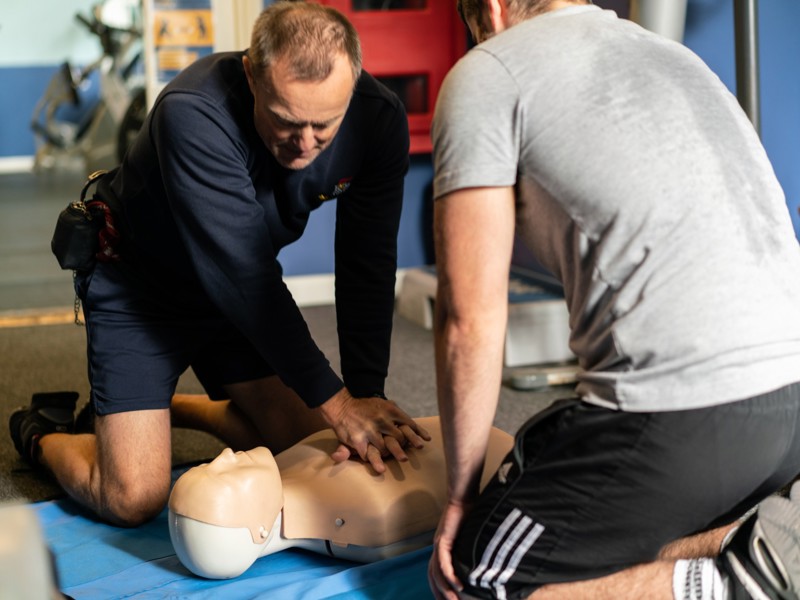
<point x="236" y="489"/>
<point x="230" y="464"/>
<point x="298" y="119"/>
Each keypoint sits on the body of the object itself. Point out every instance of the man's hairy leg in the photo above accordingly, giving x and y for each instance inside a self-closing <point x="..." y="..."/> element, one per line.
<point x="220" y="418"/>
<point x="275" y="411"/>
<point x="650" y="580"/>
<point x="705" y="544"/>
<point x="262" y="412"/>
<point x="122" y="472"/>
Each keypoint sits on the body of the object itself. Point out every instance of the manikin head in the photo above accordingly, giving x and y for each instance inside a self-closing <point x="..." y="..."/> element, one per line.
<point x="222" y="514"/>
<point x="302" y="65"/>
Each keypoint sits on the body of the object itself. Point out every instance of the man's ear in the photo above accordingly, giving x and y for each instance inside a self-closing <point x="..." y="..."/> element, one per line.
<point x="248" y="71"/>
<point x="498" y="14"/>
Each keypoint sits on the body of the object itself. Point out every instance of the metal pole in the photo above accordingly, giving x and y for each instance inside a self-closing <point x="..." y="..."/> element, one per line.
<point x="665" y="17"/>
<point x="745" y="17"/>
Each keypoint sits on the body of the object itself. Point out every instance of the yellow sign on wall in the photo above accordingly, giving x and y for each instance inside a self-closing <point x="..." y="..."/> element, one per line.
<point x="183" y="28"/>
<point x="178" y="33"/>
<point x="176" y="59"/>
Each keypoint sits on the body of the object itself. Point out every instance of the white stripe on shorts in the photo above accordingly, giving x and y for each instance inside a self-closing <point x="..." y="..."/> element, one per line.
<point x="507" y="538"/>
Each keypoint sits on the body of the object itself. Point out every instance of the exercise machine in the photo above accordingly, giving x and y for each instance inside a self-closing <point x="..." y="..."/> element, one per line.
<point x="69" y="121"/>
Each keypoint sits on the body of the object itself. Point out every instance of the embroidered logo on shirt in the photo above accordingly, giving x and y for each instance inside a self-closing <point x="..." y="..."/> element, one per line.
<point x="338" y="189"/>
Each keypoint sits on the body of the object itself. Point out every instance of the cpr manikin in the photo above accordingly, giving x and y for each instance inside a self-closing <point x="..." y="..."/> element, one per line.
<point x="225" y="514"/>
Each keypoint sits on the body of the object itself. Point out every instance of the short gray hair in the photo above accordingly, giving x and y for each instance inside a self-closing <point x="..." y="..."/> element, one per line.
<point x="309" y="34"/>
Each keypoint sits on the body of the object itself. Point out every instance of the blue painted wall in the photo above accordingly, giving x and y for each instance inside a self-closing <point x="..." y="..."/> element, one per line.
<point x="35" y="37"/>
<point x="31" y="48"/>
<point x="709" y="33"/>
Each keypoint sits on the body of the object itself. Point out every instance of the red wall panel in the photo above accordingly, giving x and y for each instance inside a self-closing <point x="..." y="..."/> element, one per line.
<point x="411" y="48"/>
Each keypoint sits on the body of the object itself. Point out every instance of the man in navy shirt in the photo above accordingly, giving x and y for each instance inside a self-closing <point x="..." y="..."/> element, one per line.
<point x="236" y="152"/>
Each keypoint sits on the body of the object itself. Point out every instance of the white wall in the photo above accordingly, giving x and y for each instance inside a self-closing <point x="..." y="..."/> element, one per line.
<point x="45" y="32"/>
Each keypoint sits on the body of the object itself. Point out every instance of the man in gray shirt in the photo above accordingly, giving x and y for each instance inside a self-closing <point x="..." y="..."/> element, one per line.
<point x="636" y="179"/>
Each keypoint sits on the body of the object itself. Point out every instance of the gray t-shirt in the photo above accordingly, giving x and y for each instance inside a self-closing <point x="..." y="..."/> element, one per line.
<point x="644" y="188"/>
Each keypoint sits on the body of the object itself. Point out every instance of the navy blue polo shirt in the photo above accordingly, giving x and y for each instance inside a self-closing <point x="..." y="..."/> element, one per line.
<point x="206" y="210"/>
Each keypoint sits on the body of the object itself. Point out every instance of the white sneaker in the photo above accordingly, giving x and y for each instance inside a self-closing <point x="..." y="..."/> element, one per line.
<point x="762" y="559"/>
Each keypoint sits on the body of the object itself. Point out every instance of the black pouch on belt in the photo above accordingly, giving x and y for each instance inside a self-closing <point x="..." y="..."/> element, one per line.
<point x="75" y="241"/>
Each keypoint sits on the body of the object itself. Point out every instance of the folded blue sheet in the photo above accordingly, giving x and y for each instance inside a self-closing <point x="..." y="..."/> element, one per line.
<point x="95" y="560"/>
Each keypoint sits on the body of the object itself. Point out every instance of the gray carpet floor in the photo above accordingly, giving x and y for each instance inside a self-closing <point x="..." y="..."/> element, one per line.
<point x="38" y="358"/>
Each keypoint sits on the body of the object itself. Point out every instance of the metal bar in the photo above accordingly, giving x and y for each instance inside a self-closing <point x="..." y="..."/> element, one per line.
<point x="745" y="17"/>
<point x="665" y="17"/>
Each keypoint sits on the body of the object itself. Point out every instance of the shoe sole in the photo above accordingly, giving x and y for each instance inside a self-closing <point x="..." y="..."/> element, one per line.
<point x="54" y="408"/>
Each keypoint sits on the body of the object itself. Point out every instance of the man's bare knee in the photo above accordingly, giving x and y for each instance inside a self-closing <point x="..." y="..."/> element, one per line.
<point x="132" y="472"/>
<point x="133" y="505"/>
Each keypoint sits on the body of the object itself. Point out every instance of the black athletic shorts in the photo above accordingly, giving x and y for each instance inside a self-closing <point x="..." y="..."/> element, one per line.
<point x="140" y="343"/>
<point x="589" y="491"/>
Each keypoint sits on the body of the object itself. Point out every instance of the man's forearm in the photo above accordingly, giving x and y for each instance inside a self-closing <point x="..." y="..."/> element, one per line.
<point x="469" y="370"/>
<point x="474" y="231"/>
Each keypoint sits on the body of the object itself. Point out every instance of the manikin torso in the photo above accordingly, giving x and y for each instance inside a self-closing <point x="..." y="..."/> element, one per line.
<point x="241" y="506"/>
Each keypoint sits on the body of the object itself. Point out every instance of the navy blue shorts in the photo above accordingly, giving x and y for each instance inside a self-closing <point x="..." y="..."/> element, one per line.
<point x="140" y="343"/>
<point x="588" y="491"/>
